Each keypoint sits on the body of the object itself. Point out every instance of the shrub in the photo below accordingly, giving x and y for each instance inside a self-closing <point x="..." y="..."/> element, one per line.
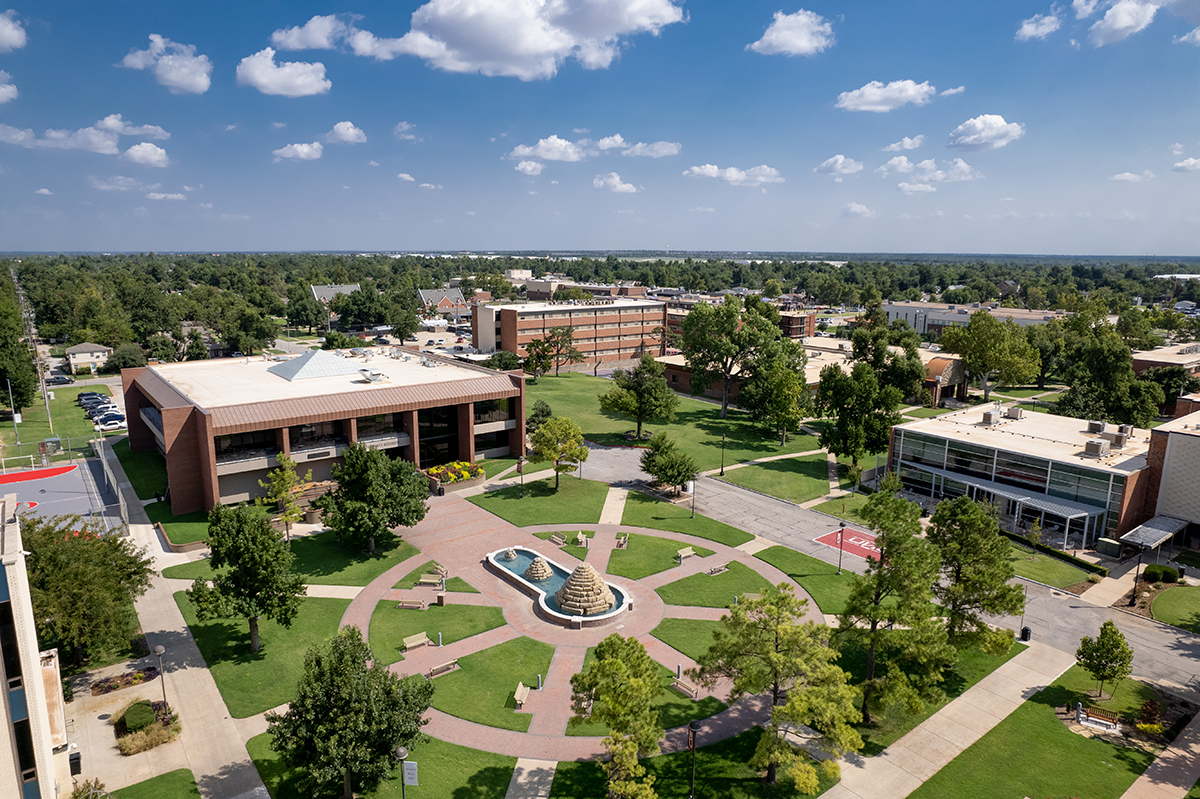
<point x="1151" y="710"/>
<point x="87" y="789"/>
<point x="1150" y="729"/>
<point x="165" y="727"/>
<point x="1094" y="579"/>
<point x="68" y="691"/>
<point x="1157" y="573"/>
<point x="139" y="716"/>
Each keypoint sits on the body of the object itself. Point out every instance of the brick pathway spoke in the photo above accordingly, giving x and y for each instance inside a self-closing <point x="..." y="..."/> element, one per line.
<point x="424" y="658"/>
<point x="694" y="612"/>
<point x="551" y="706"/>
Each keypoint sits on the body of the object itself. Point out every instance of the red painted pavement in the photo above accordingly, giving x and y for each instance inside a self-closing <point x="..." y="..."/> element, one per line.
<point x="855" y="543"/>
<point x="36" y="474"/>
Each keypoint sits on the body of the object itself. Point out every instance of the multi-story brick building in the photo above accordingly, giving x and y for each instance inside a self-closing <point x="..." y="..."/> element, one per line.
<point x="221" y="423"/>
<point x="543" y="289"/>
<point x="611" y="332"/>
<point x="798" y="325"/>
<point x="934" y="317"/>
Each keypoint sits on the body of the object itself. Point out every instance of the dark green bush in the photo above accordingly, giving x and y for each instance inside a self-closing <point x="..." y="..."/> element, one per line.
<point x="139" y="716"/>
<point x="1157" y="573"/>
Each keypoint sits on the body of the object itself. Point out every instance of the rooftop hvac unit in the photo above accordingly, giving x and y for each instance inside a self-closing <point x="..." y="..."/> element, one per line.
<point x="1015" y="412"/>
<point x="952" y="307"/>
<point x="1096" y="447"/>
<point x="1125" y="429"/>
<point x="1119" y="440"/>
<point x="1192" y="350"/>
<point x="372" y="375"/>
<point x="991" y="417"/>
<point x="1095" y="427"/>
<point x="845" y="346"/>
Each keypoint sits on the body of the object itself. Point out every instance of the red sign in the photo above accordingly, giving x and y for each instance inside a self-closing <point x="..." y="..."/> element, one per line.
<point x="853" y="543"/>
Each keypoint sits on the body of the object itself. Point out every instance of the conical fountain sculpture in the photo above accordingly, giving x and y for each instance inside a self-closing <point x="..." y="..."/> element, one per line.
<point x="584" y="593"/>
<point x="538" y="570"/>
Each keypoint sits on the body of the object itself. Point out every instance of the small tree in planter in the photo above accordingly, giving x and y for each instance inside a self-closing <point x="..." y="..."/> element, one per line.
<point x="281" y="485"/>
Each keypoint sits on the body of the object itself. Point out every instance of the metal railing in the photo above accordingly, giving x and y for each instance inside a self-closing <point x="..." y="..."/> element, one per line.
<point x="39" y="454"/>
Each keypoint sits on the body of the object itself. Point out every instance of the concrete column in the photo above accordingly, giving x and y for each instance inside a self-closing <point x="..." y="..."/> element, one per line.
<point x="283" y="441"/>
<point x="516" y="436"/>
<point x="412" y="452"/>
<point x="350" y="426"/>
<point x="466" y="432"/>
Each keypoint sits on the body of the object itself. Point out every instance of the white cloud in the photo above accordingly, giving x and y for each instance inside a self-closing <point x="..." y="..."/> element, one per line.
<point x="115" y="183"/>
<point x="701" y="210"/>
<point x="1133" y="177"/>
<point x="372" y="163"/>
<point x="801" y="33"/>
<point x="612" y="182"/>
<point x="12" y="35"/>
<point x="205" y="206"/>
<point x="905" y="144"/>
<point x="102" y="137"/>
<point x="1039" y="26"/>
<point x="278" y="125"/>
<point x="234" y="127"/>
<point x="154" y="195"/>
<point x="898" y="164"/>
<point x="656" y="149"/>
<point x="7" y="90"/>
<point x="580" y="130"/>
<point x="875" y="96"/>
<point x="955" y="90"/>
<point x="839" y="165"/>
<point x="431" y="185"/>
<point x="858" y="210"/>
<point x="146" y="154"/>
<point x="299" y="151"/>
<point x="1187" y="165"/>
<point x="960" y="170"/>
<point x="1176" y="149"/>
<point x="527" y="40"/>
<point x="755" y="176"/>
<point x="175" y="65"/>
<point x="1084" y="8"/>
<point x="113" y="123"/>
<point x="530" y="168"/>
<point x="916" y="188"/>
<point x="1191" y="37"/>
<point x="609" y="142"/>
<point x="288" y="78"/>
<point x="406" y="177"/>
<point x="1125" y="18"/>
<point x="985" y="132"/>
<point x="401" y="131"/>
<point x="319" y="33"/>
<point x="346" y="133"/>
<point x="45" y="192"/>
<point x="549" y="149"/>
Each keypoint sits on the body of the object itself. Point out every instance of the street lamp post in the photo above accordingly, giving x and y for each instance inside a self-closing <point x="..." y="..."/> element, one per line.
<point x="162" y="675"/>
<point x="1136" y="569"/>
<point x="693" y="728"/>
<point x="695" y="480"/>
<point x="722" y="454"/>
<point x="402" y="755"/>
<point x="841" y="548"/>
<point x="521" y="471"/>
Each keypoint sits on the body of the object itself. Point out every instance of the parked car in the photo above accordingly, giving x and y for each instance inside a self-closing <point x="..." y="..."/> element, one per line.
<point x="105" y="427"/>
<point x="381" y="341"/>
<point x="430" y="343"/>
<point x="97" y="399"/>
<point x="87" y="406"/>
<point x="101" y="410"/>
<point x="59" y="380"/>
<point x="237" y="354"/>
<point x="110" y="417"/>
<point x="85" y="395"/>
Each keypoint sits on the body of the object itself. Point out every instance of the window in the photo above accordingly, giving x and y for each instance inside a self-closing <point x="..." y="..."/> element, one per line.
<point x="315" y="434"/>
<point x="497" y="410"/>
<point x="255" y="442"/>
<point x="380" y="425"/>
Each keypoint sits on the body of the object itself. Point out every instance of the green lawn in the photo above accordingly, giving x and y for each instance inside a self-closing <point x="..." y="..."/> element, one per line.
<point x="646" y="555"/>
<point x="697" y="427"/>
<point x="1020" y="392"/>
<point x="178" y="784"/>
<point x="1126" y="699"/>
<point x="820" y="579"/>
<point x="848" y="507"/>
<point x="892" y="723"/>
<point x="253" y="682"/>
<point x="1031" y="753"/>
<point x="722" y="772"/>
<point x="646" y="511"/>
<point x="1179" y="606"/>
<point x="183" y="529"/>
<point x="797" y="479"/>
<point x="718" y="591"/>
<point x="927" y="413"/>
<point x="323" y="560"/>
<point x="573" y="550"/>
<point x="453" y="584"/>
<point x="70" y="421"/>
<point x="692" y="637"/>
<point x="575" y="502"/>
<point x="493" y="466"/>
<point x="1043" y="568"/>
<point x="1188" y="557"/>
<point x="391" y="625"/>
<point x="481" y="690"/>
<point x="147" y="471"/>
<point x="444" y="770"/>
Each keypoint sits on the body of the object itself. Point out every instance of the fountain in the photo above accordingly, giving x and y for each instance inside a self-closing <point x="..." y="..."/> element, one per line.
<point x="573" y="599"/>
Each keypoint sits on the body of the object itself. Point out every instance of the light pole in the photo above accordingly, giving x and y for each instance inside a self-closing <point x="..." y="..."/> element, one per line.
<point x="521" y="471"/>
<point x="162" y="675"/>
<point x="402" y="755"/>
<point x="1136" y="569"/>
<point x="695" y="479"/>
<point x="693" y="728"/>
<point x="722" y="453"/>
<point x="841" y="548"/>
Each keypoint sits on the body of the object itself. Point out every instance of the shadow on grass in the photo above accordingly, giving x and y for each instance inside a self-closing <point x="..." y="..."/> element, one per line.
<point x="322" y="554"/>
<point x="490" y="782"/>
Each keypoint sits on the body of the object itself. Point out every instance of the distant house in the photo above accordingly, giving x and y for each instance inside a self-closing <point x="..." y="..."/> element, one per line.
<point x="325" y="294"/>
<point x="1007" y="288"/>
<point x="83" y="357"/>
<point x="444" y="302"/>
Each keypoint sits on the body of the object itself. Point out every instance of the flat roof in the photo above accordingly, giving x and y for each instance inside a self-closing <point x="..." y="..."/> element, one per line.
<point x="1179" y="354"/>
<point x="1057" y="438"/>
<point x="615" y="302"/>
<point x="1189" y="424"/>
<point x="970" y="308"/>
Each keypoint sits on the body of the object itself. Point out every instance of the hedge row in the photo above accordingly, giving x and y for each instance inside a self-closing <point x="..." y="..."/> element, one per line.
<point x="1059" y="554"/>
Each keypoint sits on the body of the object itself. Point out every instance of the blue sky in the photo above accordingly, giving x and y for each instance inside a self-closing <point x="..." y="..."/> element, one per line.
<point x="1015" y="127"/>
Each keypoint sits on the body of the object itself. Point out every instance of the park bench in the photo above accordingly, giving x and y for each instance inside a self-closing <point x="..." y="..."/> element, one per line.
<point x="558" y="540"/>
<point x="441" y="571"/>
<point x="442" y="668"/>
<point x="411" y="604"/>
<point x="622" y="541"/>
<point x="583" y="540"/>
<point x="1102" y="715"/>
<point x="429" y="579"/>
<point x="715" y="570"/>
<point x="413" y="641"/>
<point x="521" y="695"/>
<point x="690" y="690"/>
<point x="686" y="552"/>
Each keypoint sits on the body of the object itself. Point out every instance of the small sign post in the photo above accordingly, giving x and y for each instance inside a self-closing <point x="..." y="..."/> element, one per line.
<point x="410" y="772"/>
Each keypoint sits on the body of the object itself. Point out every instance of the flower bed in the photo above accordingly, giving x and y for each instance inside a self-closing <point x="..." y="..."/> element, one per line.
<point x="126" y="680"/>
<point x="457" y="472"/>
<point x="156" y="724"/>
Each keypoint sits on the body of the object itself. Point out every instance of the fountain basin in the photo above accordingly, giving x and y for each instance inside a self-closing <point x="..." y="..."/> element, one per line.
<point x="513" y="571"/>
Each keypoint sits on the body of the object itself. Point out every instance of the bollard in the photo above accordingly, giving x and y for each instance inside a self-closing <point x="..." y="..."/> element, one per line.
<point x="735" y="599"/>
<point x="439" y="639"/>
<point x="539" y="682"/>
<point x="679" y="671"/>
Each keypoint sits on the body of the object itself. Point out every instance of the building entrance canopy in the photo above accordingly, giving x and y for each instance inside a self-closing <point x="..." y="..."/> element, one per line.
<point x="1065" y="508"/>
<point x="1155" y="532"/>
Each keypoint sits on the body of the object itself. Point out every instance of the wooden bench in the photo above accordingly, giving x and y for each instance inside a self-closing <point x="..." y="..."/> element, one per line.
<point x="521" y="695"/>
<point x="1102" y="715"/>
<point x="411" y="604"/>
<point x="442" y="668"/>
<point x="690" y="690"/>
<point x="558" y="540"/>
<point x="583" y="540"/>
<point x="413" y="641"/>
<point x="622" y="541"/>
<point x="429" y="579"/>
<point x="715" y="570"/>
<point x="441" y="571"/>
<point x="686" y="552"/>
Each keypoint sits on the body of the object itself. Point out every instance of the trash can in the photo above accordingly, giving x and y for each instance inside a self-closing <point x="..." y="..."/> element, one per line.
<point x="441" y="599"/>
<point x="441" y="491"/>
<point x="1182" y="570"/>
<point x="1026" y="633"/>
<point x="76" y="761"/>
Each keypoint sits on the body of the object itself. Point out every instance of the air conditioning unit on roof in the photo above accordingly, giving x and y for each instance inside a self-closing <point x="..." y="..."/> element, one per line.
<point x="1095" y="426"/>
<point x="1096" y="447"/>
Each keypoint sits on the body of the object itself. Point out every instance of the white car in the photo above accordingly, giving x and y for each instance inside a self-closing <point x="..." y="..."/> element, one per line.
<point x="107" y="427"/>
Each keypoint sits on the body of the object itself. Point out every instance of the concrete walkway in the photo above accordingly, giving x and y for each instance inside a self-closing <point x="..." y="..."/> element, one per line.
<point x="920" y="754"/>
<point x="531" y="779"/>
<point x="614" y="505"/>
<point x="1175" y="771"/>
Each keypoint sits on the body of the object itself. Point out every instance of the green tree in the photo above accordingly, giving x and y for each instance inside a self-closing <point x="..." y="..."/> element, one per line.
<point x="1134" y="328"/>
<point x="560" y="441"/>
<point x="618" y="689"/>
<point x="540" y="414"/>
<point x="281" y="484"/>
<point x="975" y="574"/>
<point x="641" y="393"/>
<point x="863" y="411"/>
<point x="663" y="461"/>
<point x="303" y="310"/>
<point x="348" y="716"/>
<point x="561" y="341"/>
<point x="991" y="348"/>
<point x="260" y="581"/>
<point x="772" y="288"/>
<point x="503" y="361"/>
<point x="718" y="342"/>
<point x="374" y="494"/>
<point x="1103" y="384"/>
<point x="766" y="646"/>
<point x="337" y="340"/>
<point x="1175" y="381"/>
<point x="197" y="350"/>
<point x="539" y="356"/>
<point x="126" y="356"/>
<point x="1049" y="341"/>
<point x="163" y="347"/>
<point x="774" y="391"/>
<point x="889" y="612"/>
<point x="626" y="777"/>
<point x="1107" y="657"/>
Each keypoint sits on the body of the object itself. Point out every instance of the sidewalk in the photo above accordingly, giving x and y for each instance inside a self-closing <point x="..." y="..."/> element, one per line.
<point x="920" y="754"/>
<point x="1117" y="584"/>
<point x="1175" y="771"/>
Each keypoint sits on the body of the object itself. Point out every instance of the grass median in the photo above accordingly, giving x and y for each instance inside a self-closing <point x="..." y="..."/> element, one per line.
<point x="715" y="591"/>
<point x="482" y="688"/>
<point x="574" y="502"/>
<point x="795" y="479"/>
<point x="646" y="555"/>
<point x="827" y="588"/>
<point x="646" y="511"/>
<point x="391" y="625"/>
<point x="178" y="784"/>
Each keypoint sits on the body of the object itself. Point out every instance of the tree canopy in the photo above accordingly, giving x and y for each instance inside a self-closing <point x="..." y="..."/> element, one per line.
<point x="1103" y="384"/>
<point x="618" y="689"/>
<point x="561" y="344"/>
<point x="374" y="493"/>
<point x="992" y="348"/>
<point x="1107" y="657"/>
<point x="719" y="341"/>
<point x="281" y="485"/>
<point x="560" y="441"/>
<point x="863" y="411"/>
<point x="641" y="393"/>
<point x="663" y="460"/>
